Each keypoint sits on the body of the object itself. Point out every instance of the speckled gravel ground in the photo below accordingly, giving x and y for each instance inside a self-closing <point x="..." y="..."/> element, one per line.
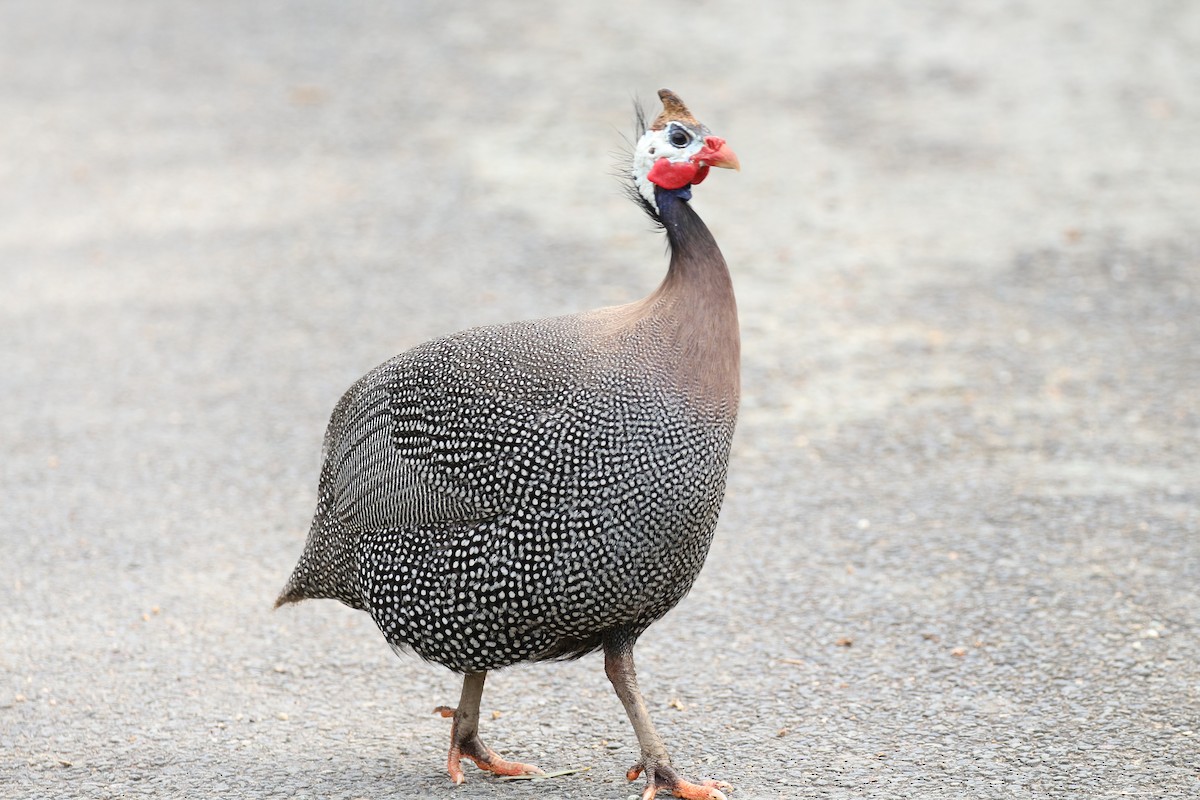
<point x="961" y="548"/>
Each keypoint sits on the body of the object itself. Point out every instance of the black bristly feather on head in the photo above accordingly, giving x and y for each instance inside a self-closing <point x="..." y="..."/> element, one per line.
<point x="625" y="159"/>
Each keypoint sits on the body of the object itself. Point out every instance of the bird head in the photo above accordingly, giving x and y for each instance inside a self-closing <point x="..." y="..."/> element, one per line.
<point x="676" y="150"/>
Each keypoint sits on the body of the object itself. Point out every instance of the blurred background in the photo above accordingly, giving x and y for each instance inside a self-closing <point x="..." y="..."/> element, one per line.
<point x="959" y="553"/>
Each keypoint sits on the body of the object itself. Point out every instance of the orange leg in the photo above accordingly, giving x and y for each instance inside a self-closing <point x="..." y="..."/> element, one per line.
<point x="655" y="762"/>
<point x="464" y="736"/>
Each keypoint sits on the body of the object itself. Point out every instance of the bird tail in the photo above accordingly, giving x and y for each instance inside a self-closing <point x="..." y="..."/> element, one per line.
<point x="298" y="586"/>
<point x="290" y="594"/>
<point x="326" y="569"/>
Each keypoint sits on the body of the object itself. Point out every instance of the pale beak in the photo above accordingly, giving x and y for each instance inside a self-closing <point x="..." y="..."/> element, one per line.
<point x="716" y="153"/>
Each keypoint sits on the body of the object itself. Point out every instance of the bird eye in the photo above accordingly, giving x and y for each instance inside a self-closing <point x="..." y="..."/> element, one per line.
<point x="679" y="137"/>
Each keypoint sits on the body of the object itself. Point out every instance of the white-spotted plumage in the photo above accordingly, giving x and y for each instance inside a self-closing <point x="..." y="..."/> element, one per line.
<point x="511" y="493"/>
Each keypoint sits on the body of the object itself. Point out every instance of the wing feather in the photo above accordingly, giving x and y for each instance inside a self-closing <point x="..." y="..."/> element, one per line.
<point x="433" y="435"/>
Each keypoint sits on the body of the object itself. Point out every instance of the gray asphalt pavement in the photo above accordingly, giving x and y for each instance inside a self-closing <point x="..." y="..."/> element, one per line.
<point x="960" y="552"/>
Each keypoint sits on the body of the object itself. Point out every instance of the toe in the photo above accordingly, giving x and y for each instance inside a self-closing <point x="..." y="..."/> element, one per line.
<point x="499" y="766"/>
<point x="706" y="790"/>
<point x="488" y="759"/>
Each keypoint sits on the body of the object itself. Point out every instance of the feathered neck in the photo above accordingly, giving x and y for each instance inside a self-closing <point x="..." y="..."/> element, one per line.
<point x="696" y="300"/>
<point x="692" y="244"/>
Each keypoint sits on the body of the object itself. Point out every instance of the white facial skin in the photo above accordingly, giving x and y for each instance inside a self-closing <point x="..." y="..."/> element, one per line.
<point x="663" y="144"/>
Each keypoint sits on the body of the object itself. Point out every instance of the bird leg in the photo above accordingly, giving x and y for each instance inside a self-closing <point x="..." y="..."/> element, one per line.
<point x="655" y="762"/>
<point x="464" y="735"/>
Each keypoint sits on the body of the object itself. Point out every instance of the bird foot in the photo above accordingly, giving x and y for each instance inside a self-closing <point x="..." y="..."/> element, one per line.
<point x="472" y="747"/>
<point x="662" y="776"/>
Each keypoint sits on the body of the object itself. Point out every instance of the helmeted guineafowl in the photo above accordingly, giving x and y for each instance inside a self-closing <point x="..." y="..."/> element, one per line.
<point x="544" y="489"/>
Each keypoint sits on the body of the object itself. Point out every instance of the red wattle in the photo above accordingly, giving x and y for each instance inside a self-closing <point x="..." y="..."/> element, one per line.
<point x="673" y="175"/>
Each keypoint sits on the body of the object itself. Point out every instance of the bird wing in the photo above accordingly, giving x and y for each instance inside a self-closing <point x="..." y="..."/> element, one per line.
<point x="444" y="432"/>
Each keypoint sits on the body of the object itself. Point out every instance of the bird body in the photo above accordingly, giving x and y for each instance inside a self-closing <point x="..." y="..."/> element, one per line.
<point x="539" y="489"/>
